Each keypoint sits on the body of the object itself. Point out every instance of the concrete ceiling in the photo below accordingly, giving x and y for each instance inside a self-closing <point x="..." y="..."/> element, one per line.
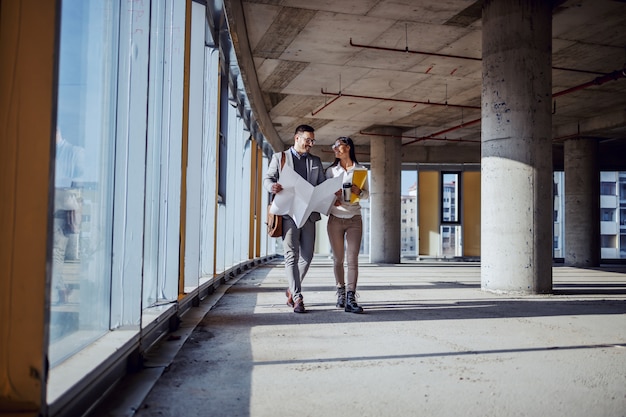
<point x="343" y="67"/>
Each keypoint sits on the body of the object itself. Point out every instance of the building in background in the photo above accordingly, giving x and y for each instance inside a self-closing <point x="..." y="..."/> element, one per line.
<point x="612" y="215"/>
<point x="408" y="230"/>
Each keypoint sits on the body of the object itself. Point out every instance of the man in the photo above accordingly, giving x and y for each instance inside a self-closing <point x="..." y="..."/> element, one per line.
<point x="67" y="204"/>
<point x="298" y="243"/>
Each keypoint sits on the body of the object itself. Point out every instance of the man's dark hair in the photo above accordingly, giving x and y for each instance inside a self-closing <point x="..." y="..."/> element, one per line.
<point x="304" y="128"/>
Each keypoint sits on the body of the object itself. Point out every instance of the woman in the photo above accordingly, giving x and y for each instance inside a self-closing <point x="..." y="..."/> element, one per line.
<point x="345" y="222"/>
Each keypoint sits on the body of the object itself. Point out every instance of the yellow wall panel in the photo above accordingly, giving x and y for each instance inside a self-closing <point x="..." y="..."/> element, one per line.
<point x="428" y="200"/>
<point x="27" y="117"/>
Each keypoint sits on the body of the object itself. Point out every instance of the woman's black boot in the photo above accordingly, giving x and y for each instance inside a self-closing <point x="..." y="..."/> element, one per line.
<point x="351" y="305"/>
<point x="341" y="297"/>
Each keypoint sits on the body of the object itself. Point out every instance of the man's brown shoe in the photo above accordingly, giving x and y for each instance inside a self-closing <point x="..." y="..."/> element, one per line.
<point x="299" y="306"/>
<point x="289" y="298"/>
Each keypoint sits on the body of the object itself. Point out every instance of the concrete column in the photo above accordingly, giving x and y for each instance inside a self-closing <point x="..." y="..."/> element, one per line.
<point x="385" y="195"/>
<point x="516" y="160"/>
<point x="582" y="203"/>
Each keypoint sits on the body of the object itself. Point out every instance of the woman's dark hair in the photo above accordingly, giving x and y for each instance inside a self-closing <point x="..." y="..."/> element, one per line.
<point x="347" y="141"/>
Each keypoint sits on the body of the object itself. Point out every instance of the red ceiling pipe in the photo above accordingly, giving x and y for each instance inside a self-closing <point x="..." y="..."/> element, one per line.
<point x="417" y="138"/>
<point x="613" y="76"/>
<point x="382" y="48"/>
<point x="564" y="138"/>
<point x="432" y="136"/>
<point x="407" y="50"/>
<point x="313" y="113"/>
<point x="402" y="100"/>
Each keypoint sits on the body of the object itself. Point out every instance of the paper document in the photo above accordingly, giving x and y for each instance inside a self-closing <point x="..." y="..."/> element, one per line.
<point x="299" y="198"/>
<point x="358" y="179"/>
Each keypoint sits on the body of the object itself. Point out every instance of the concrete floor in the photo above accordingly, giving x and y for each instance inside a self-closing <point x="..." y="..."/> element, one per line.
<point x="430" y="343"/>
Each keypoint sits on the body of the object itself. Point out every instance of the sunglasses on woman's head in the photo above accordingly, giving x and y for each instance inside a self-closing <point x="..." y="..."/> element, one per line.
<point x="340" y="141"/>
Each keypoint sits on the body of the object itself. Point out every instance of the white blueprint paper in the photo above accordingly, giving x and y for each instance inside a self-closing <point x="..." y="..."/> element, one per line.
<point x="299" y="198"/>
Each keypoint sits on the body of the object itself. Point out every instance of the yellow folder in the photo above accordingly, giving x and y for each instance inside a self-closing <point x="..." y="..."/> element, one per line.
<point x="358" y="179"/>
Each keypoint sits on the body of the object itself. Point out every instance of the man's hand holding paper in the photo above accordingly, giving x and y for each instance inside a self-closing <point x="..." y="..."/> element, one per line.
<point x="299" y="198"/>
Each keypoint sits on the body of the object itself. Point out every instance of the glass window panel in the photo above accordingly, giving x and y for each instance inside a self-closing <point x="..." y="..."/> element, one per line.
<point x="151" y="289"/>
<point x="232" y="229"/>
<point x="130" y="168"/>
<point x="209" y="161"/>
<point x="245" y="196"/>
<point x="559" y="211"/>
<point x="409" y="218"/>
<point x="171" y="157"/>
<point x="451" y="241"/>
<point x="220" y="250"/>
<point x="162" y="212"/>
<point x="607" y="188"/>
<point x="82" y="231"/>
<point x="194" y="146"/>
<point x="268" y="245"/>
<point x="224" y="120"/>
<point x="450" y="203"/>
